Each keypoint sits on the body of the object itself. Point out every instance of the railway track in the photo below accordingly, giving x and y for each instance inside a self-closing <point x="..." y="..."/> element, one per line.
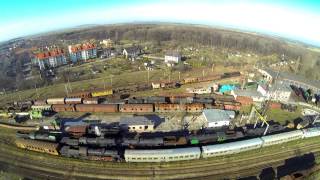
<point x="214" y="168"/>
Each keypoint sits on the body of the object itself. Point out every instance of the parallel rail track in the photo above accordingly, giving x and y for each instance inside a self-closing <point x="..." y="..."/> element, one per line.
<point x="204" y="168"/>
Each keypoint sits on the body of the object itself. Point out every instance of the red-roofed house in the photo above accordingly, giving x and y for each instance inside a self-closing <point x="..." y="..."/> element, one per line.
<point x="82" y="52"/>
<point x="50" y="58"/>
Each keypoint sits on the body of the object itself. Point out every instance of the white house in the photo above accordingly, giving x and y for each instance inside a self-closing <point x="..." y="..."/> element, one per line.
<point x="172" y="57"/>
<point x="217" y="117"/>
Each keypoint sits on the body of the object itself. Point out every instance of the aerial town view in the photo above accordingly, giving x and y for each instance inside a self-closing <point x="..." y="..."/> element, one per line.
<point x="160" y="90"/>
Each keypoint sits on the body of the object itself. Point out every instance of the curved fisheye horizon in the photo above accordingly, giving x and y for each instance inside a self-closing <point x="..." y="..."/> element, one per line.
<point x="295" y="20"/>
<point x="160" y="89"/>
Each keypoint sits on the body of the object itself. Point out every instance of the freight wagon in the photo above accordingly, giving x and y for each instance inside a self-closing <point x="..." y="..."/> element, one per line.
<point x="100" y="93"/>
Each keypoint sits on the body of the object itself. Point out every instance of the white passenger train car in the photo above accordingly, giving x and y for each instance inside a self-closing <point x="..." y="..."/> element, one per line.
<point x="281" y="138"/>
<point x="311" y="132"/>
<point x="162" y="155"/>
<point x="231" y="148"/>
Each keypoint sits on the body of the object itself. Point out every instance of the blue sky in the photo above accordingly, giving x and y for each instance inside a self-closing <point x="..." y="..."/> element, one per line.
<point x="295" y="19"/>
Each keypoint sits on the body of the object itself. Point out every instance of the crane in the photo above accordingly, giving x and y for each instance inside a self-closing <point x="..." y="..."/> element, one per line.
<point x="261" y="117"/>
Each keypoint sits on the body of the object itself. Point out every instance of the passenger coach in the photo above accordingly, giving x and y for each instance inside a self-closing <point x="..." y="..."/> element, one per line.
<point x="162" y="155"/>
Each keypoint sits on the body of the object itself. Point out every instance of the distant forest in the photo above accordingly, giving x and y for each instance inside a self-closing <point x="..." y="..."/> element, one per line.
<point x="187" y="35"/>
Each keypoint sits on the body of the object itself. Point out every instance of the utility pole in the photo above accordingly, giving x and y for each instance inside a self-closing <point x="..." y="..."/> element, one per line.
<point x="111" y="79"/>
<point x="148" y="75"/>
<point x="179" y="75"/>
<point x="104" y="83"/>
<point x="203" y="73"/>
<point x="36" y="90"/>
<point x="66" y="89"/>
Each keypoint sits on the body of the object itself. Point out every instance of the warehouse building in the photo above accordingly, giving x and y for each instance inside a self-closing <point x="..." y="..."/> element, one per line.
<point x="290" y="79"/>
<point x="218" y="118"/>
<point x="280" y="92"/>
<point x="137" y="124"/>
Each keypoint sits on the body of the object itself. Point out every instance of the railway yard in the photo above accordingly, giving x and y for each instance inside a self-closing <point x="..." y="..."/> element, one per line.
<point x="116" y="134"/>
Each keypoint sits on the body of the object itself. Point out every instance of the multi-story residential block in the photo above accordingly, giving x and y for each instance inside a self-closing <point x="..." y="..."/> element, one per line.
<point x="50" y="58"/>
<point x="82" y="52"/>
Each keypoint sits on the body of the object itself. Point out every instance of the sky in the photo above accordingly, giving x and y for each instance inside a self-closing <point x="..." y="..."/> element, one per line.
<point x="294" y="19"/>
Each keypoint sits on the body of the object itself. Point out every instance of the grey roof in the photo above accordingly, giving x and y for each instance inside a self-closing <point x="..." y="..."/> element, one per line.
<point x="173" y="53"/>
<point x="133" y="49"/>
<point x="215" y="115"/>
<point x="293" y="77"/>
<point x="280" y="87"/>
<point x="247" y="93"/>
<point x="136" y="120"/>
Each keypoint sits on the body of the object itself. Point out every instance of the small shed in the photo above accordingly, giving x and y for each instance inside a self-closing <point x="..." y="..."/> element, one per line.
<point x="137" y="124"/>
<point x="217" y="117"/>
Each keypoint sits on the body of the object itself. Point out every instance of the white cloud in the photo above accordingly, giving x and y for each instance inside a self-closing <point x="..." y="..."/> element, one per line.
<point x="286" y="22"/>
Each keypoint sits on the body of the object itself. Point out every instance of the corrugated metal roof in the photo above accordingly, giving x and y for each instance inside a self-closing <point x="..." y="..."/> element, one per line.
<point x="215" y="115"/>
<point x="247" y="93"/>
<point x="137" y="120"/>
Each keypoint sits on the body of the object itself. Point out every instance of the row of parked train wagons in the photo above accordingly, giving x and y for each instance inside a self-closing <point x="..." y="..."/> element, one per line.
<point x="166" y="155"/>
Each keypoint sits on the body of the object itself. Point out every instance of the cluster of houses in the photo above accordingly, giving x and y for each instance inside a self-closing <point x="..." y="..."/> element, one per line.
<point x="80" y="53"/>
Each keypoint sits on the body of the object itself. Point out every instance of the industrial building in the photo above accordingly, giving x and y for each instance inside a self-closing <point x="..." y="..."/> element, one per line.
<point x="217" y="117"/>
<point x="290" y="79"/>
<point x="137" y="124"/>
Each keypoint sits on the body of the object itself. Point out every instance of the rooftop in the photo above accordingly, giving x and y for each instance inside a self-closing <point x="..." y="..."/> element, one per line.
<point x="215" y="115"/>
<point x="293" y="77"/>
<point x="81" y="47"/>
<point x="50" y="53"/>
<point x="136" y="120"/>
<point x="247" y="93"/>
<point x="132" y="49"/>
<point x="173" y="53"/>
<point x="279" y="87"/>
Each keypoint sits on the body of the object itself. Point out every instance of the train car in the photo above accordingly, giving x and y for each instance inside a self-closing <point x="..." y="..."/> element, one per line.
<point x="203" y="100"/>
<point x="136" y="108"/>
<point x="189" y="80"/>
<point x="41" y="107"/>
<point x="99" y="141"/>
<point x="107" y="108"/>
<point x="232" y="107"/>
<point x="231" y="148"/>
<point x="39" y="146"/>
<point x="174" y="141"/>
<point x="180" y="99"/>
<point x="39" y="102"/>
<point x="73" y="100"/>
<point x="311" y="132"/>
<point x="162" y="155"/>
<point x="99" y="93"/>
<point x="78" y="152"/>
<point x="169" y="108"/>
<point x="281" y="138"/>
<point x="209" y="78"/>
<point x="230" y="75"/>
<point x="135" y="100"/>
<point x="156" y="99"/>
<point x="195" y="107"/>
<point x="63" y="107"/>
<point x="84" y="94"/>
<point x="55" y="101"/>
<point x="90" y="101"/>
